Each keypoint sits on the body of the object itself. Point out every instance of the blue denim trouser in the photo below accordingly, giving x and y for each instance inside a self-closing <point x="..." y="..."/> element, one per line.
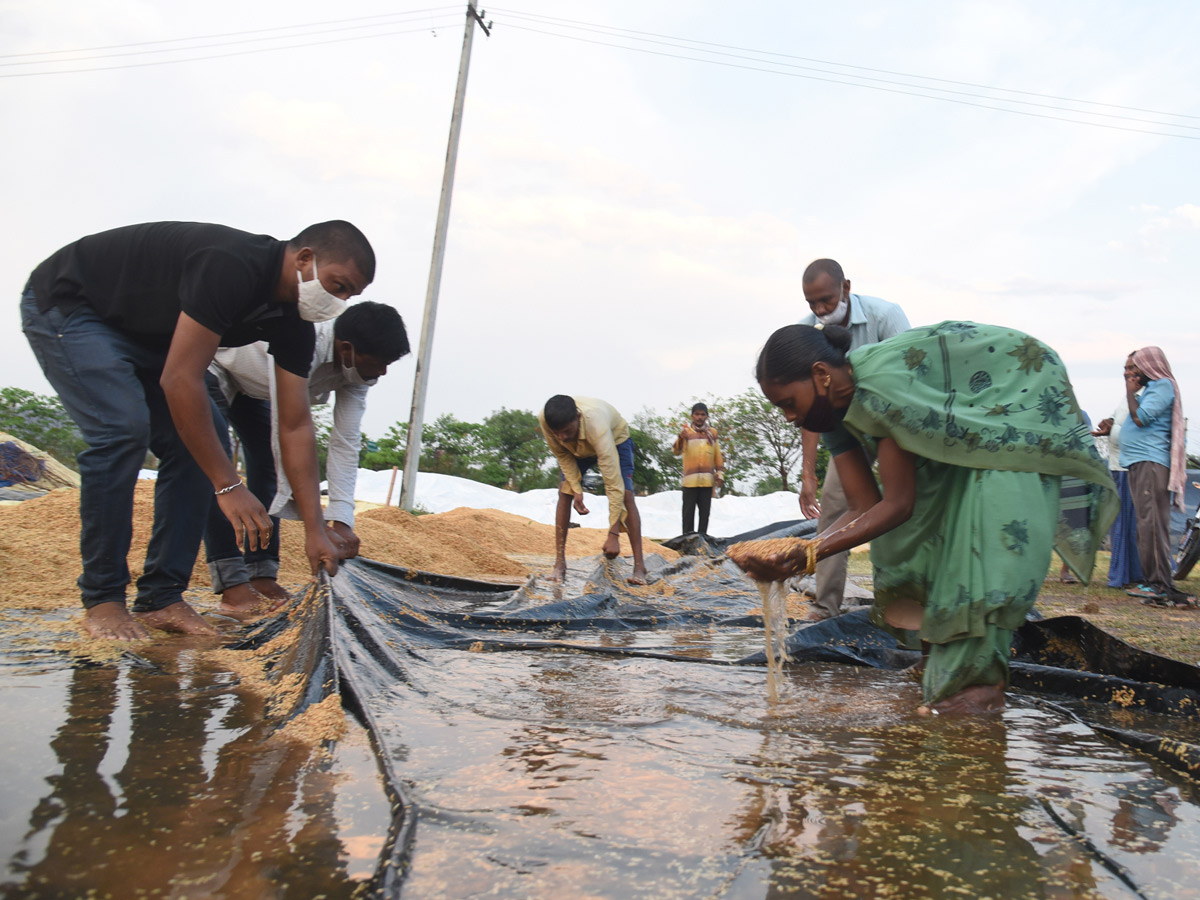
<point x="108" y="382"/>
<point x="251" y="420"/>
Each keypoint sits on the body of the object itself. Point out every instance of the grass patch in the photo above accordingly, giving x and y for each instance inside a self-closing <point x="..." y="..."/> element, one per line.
<point x="1167" y="632"/>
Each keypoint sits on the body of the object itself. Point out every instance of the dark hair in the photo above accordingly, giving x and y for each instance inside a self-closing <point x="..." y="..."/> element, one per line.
<point x="374" y="329"/>
<point x="341" y="242"/>
<point x="699" y="407"/>
<point x="559" y="411"/>
<point x="790" y="352"/>
<point x="829" y="267"/>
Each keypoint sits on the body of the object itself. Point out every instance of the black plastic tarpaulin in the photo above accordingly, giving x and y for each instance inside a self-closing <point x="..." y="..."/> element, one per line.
<point x="460" y="679"/>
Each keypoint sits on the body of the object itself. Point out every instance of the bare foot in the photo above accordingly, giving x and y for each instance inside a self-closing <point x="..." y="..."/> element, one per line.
<point x="244" y="603"/>
<point x="638" y="577"/>
<point x="271" y="589"/>
<point x="559" y="572"/>
<point x="112" y="622"/>
<point x="916" y="671"/>
<point x="971" y="701"/>
<point x="178" y="617"/>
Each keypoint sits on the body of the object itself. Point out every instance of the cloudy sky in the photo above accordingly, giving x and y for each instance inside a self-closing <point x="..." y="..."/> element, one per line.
<point x="641" y="184"/>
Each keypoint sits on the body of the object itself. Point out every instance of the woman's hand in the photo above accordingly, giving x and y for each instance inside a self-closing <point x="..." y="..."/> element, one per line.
<point x="775" y="559"/>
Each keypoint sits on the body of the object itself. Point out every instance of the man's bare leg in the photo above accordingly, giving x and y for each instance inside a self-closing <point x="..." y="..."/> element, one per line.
<point x="270" y="588"/>
<point x="244" y="602"/>
<point x="562" y="522"/>
<point x="178" y="617"/>
<point x="633" y="525"/>
<point x="112" y="622"/>
<point x="972" y="701"/>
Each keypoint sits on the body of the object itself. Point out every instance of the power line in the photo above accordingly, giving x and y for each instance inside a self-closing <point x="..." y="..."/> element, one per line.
<point x="609" y="29"/>
<point x="166" y="62"/>
<point x="205" y="37"/>
<point x="767" y="66"/>
<point x="876" y="87"/>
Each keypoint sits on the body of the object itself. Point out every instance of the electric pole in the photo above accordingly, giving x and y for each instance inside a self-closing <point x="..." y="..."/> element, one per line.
<point x="412" y="450"/>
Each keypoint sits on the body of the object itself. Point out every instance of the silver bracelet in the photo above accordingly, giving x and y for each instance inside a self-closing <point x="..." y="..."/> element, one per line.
<point x="226" y="490"/>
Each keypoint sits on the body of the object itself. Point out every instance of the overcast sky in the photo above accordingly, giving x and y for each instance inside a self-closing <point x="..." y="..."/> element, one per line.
<point x="641" y="184"/>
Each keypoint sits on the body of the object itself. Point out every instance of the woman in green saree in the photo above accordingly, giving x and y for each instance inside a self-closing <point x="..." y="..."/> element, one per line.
<point x="974" y="428"/>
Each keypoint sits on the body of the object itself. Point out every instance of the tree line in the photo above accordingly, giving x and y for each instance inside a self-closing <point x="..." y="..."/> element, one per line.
<point x="506" y="449"/>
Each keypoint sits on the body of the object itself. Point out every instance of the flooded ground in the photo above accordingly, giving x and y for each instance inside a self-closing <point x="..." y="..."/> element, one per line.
<point x="157" y="776"/>
<point x="551" y="772"/>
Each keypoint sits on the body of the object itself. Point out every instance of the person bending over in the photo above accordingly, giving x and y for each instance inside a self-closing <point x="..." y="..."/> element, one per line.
<point x="973" y="427"/>
<point x="124" y="324"/>
<point x="353" y="352"/>
<point x="585" y="433"/>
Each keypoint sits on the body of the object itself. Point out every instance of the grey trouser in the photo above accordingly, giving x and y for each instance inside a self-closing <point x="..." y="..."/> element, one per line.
<point x="1152" y="509"/>
<point x="831" y="571"/>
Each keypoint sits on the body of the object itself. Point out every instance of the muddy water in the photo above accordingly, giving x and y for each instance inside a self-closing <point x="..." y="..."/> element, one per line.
<point x="561" y="774"/>
<point x="539" y="775"/>
<point x="158" y="778"/>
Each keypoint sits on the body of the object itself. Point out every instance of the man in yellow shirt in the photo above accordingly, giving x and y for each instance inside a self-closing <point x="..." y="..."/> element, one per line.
<point x="585" y="433"/>
<point x="703" y="467"/>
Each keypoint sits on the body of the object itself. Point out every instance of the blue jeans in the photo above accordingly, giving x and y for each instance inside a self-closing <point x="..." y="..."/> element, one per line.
<point x="108" y="382"/>
<point x="624" y="458"/>
<point x="251" y="419"/>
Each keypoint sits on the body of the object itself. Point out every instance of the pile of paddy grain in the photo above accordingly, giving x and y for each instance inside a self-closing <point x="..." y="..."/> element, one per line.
<point x="39" y="545"/>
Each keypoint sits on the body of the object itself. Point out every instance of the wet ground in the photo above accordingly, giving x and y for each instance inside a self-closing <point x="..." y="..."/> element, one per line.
<point x="158" y="776"/>
<point x="551" y="773"/>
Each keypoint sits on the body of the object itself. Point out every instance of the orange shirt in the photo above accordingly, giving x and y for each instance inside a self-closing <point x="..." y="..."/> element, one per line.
<point x="701" y="456"/>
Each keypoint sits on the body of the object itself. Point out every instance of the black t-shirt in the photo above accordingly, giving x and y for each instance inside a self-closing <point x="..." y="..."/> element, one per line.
<point x="140" y="277"/>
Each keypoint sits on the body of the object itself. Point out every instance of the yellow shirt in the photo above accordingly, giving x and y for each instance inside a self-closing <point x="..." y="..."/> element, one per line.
<point x="601" y="429"/>
<point x="701" y="456"/>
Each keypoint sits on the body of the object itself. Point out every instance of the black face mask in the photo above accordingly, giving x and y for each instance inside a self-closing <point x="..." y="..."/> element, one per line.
<point x="821" y="415"/>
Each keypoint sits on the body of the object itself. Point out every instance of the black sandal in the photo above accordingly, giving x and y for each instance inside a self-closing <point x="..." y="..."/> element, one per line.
<point x="1177" y="601"/>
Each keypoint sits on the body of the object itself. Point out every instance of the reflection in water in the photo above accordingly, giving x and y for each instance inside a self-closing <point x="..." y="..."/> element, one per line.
<point x="644" y="778"/>
<point x="172" y="785"/>
<point x="918" y="810"/>
<point x="566" y="773"/>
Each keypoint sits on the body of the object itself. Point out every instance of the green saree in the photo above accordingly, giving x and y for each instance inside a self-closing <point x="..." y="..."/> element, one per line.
<point x="991" y="418"/>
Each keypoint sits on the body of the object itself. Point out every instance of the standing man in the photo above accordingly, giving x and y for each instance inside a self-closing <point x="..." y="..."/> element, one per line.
<point x="1152" y="450"/>
<point x="869" y="320"/>
<point x="353" y="352"/>
<point x="124" y="324"/>
<point x="703" y="467"/>
<point x="584" y="433"/>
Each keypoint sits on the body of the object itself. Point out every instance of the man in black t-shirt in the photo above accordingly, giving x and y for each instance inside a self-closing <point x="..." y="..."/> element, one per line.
<point x="124" y="324"/>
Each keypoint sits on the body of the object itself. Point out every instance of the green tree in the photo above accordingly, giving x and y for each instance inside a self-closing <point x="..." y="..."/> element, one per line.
<point x="42" y="421"/>
<point x="514" y="450"/>
<point x="655" y="467"/>
<point x="389" y="449"/>
<point x="449" y="446"/>
<point x="771" y="444"/>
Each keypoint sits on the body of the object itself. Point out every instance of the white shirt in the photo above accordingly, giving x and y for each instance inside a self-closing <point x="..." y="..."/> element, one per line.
<point x="250" y="370"/>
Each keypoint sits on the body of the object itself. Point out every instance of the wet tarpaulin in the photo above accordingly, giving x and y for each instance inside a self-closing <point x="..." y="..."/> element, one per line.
<point x="615" y="736"/>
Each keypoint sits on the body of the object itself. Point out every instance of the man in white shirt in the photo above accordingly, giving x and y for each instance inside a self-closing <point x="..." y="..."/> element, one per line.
<point x="869" y="321"/>
<point x="352" y="353"/>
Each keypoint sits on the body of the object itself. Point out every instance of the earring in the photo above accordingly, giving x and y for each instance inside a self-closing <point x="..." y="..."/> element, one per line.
<point x="828" y="379"/>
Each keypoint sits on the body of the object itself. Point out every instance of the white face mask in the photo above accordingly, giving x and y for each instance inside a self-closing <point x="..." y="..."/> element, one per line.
<point x="315" y="303"/>
<point x="839" y="313"/>
<point x="353" y="376"/>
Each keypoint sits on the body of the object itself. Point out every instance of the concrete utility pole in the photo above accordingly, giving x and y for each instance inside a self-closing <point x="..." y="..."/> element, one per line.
<point x="412" y="450"/>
